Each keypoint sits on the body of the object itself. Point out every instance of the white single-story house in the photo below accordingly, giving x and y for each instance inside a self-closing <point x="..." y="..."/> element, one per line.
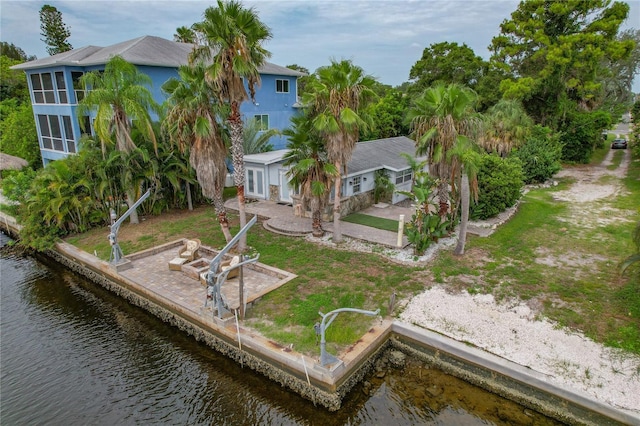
<point x="266" y="175"/>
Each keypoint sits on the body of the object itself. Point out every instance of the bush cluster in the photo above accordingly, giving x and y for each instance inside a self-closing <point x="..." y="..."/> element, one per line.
<point x="540" y="155"/>
<point x="581" y="133"/>
<point x="500" y="181"/>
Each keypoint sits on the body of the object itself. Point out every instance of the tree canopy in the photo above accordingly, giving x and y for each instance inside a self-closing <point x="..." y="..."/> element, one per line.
<point x="447" y="63"/>
<point x="54" y="30"/>
<point x="557" y="51"/>
<point x="14" y="52"/>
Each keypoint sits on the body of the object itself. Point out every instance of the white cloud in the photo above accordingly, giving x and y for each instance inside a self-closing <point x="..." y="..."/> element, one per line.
<point x="385" y="37"/>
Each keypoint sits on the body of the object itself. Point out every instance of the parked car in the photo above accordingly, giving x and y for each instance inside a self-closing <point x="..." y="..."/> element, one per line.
<point x="619" y="144"/>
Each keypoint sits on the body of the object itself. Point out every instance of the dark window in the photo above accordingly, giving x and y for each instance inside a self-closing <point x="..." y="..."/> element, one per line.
<point x="404" y="176"/>
<point x="47" y="86"/>
<point x="85" y="125"/>
<point x="77" y="87"/>
<point x="356" y="184"/>
<point x="43" y="92"/>
<point x="62" y="88"/>
<point x="263" y="121"/>
<point x="282" y="86"/>
<point x="68" y="133"/>
<point x="50" y="131"/>
<point x="35" y="82"/>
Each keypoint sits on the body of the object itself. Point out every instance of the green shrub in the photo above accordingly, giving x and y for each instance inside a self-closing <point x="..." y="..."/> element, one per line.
<point x="540" y="155"/>
<point x="15" y="185"/>
<point x="634" y="139"/>
<point x="500" y="181"/>
<point x="581" y="133"/>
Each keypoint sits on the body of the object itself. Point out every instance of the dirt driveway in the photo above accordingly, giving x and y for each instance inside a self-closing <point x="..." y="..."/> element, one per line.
<point x="591" y="185"/>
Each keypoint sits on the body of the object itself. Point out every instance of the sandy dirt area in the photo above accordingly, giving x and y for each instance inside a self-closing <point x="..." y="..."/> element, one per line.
<point x="512" y="330"/>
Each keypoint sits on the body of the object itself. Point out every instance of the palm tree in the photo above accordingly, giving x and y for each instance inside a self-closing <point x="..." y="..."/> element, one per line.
<point x="232" y="38"/>
<point x="256" y="140"/>
<point x="337" y="99"/>
<point x="437" y="118"/>
<point x="185" y="35"/>
<point x="191" y="122"/>
<point x="122" y="101"/>
<point x="507" y="126"/>
<point x="464" y="155"/>
<point x="310" y="172"/>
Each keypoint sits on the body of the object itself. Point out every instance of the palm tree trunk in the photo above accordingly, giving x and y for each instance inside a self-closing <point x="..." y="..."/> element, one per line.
<point x="189" y="200"/>
<point x="316" y="217"/>
<point x="443" y="198"/>
<point x="221" y="213"/>
<point x="337" y="231"/>
<point x="235" y="128"/>
<point x="131" y="199"/>
<point x="465" y="194"/>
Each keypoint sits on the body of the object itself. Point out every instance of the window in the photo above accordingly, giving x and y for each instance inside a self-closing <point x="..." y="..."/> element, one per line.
<point x="77" y="87"/>
<point x="51" y="132"/>
<point x="68" y="134"/>
<point x="42" y="85"/>
<point x="404" y="176"/>
<point x="85" y="125"/>
<point x="282" y="86"/>
<point x="255" y="182"/>
<point x="356" y="184"/>
<point x="263" y="121"/>
<point x="61" y="85"/>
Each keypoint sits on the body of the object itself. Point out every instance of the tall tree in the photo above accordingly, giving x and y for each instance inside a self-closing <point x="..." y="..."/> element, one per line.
<point x="13" y="83"/>
<point x="310" y="170"/>
<point x="465" y="156"/>
<point x="185" y="35"/>
<point x="121" y="100"/>
<point x="447" y="63"/>
<point x="232" y="38"/>
<point x="617" y="80"/>
<point x="14" y="52"/>
<point x="54" y="30"/>
<point x="191" y="122"/>
<point x="387" y="115"/>
<point x="557" y="51"/>
<point x="438" y="119"/>
<point x="337" y="99"/>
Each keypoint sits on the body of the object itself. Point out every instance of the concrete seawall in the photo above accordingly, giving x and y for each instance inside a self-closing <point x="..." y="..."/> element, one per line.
<point x="328" y="386"/>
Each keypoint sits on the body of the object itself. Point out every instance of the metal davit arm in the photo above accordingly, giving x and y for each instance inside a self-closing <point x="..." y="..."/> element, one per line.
<point x="116" y="252"/>
<point x="325" y="357"/>
<point x="216" y="279"/>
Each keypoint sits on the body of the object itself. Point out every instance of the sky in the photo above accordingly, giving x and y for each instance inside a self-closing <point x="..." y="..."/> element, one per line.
<point x="384" y="37"/>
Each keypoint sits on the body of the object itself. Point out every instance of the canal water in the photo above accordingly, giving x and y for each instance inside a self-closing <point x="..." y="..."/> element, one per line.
<point x="74" y="354"/>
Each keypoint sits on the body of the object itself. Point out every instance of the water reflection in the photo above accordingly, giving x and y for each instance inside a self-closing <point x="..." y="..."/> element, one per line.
<point x="73" y="353"/>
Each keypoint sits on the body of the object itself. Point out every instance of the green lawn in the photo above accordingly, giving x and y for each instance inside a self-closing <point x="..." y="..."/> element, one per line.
<point x="568" y="271"/>
<point x="372" y="221"/>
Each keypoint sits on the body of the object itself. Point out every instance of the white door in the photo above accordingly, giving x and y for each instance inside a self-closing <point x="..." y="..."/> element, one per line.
<point x="285" y="188"/>
<point x="254" y="185"/>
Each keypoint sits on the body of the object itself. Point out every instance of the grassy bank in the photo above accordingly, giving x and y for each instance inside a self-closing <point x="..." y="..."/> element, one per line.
<point x="327" y="279"/>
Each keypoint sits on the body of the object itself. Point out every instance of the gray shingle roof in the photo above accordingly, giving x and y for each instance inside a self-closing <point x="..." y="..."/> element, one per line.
<point x="379" y="153"/>
<point x="367" y="156"/>
<point x="145" y="50"/>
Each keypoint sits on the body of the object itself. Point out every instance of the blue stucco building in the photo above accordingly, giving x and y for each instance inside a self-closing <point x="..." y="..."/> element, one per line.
<point x="55" y="90"/>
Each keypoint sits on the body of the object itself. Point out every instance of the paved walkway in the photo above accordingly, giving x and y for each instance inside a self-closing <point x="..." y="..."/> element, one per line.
<point x="282" y="220"/>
